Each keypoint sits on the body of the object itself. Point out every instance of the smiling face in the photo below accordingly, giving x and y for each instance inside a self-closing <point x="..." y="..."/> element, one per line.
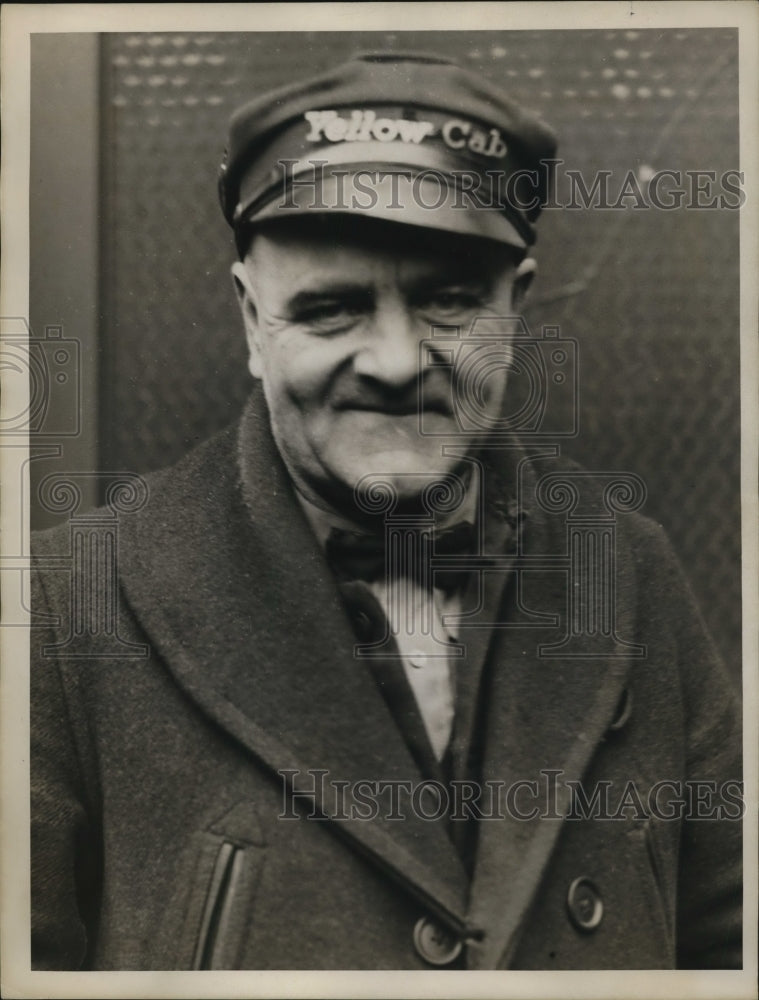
<point x="334" y="321"/>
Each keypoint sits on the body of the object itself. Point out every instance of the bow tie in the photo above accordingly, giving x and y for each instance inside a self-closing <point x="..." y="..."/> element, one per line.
<point x="354" y="556"/>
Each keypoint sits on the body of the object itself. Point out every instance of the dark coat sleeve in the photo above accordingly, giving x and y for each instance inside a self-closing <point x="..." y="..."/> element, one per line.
<point x="709" y="890"/>
<point x="64" y="855"/>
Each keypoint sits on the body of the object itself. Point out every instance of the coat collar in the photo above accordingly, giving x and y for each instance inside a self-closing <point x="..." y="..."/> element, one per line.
<point x="261" y="643"/>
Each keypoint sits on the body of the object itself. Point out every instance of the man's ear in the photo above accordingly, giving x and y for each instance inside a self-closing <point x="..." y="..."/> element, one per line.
<point x="522" y="281"/>
<point x="246" y="300"/>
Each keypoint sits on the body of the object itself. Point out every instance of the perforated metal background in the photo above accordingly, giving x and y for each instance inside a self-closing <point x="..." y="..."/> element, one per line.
<point x="651" y="295"/>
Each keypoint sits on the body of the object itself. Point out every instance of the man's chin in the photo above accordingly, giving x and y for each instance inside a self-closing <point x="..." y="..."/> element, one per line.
<point x="401" y="474"/>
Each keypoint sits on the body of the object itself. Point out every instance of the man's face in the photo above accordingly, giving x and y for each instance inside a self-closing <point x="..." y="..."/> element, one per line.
<point x="334" y="320"/>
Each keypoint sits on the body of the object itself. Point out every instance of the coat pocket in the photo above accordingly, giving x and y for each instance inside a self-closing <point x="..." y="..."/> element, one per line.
<point x="652" y="880"/>
<point x="216" y="919"/>
<point x="216" y="891"/>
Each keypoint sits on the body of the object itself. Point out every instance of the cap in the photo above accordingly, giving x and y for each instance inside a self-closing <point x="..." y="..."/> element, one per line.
<point x="408" y="137"/>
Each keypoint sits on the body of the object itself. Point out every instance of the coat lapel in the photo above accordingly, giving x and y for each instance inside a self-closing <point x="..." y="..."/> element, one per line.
<point x="544" y="719"/>
<point x="500" y="517"/>
<point x="256" y="635"/>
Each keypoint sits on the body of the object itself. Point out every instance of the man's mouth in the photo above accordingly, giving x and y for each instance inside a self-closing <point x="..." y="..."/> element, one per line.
<point x="399" y="408"/>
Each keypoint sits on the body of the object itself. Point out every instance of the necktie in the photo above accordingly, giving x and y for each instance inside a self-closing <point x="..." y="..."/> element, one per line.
<point x="355" y="556"/>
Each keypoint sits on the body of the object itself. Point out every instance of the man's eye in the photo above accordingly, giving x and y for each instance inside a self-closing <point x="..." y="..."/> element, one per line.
<point x="330" y="313"/>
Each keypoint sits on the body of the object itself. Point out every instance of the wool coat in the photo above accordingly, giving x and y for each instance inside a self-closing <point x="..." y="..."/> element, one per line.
<point x="165" y="831"/>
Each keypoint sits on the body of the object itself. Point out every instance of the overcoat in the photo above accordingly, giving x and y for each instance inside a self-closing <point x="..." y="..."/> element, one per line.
<point x="165" y="832"/>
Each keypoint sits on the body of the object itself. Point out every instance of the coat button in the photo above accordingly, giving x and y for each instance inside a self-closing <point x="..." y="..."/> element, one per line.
<point x="584" y="904"/>
<point x="435" y="944"/>
<point x="624" y="711"/>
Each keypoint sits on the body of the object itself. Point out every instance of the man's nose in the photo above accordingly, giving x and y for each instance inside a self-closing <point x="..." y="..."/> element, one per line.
<point x="390" y="353"/>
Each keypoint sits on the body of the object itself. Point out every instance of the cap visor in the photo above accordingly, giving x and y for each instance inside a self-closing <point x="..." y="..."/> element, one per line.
<point x="430" y="199"/>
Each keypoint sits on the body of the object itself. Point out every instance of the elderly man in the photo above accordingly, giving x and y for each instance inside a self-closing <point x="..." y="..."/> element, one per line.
<point x="410" y="699"/>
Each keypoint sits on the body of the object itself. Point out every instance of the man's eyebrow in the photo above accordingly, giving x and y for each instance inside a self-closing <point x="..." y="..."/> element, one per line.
<point x="308" y="297"/>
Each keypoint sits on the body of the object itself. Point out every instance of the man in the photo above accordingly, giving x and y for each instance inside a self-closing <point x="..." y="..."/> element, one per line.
<point x="410" y="699"/>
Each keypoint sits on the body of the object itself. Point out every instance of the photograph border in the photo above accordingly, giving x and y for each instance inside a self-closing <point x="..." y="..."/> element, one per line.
<point x="19" y="22"/>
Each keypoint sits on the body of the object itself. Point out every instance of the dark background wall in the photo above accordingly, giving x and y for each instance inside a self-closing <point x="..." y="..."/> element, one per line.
<point x="650" y="296"/>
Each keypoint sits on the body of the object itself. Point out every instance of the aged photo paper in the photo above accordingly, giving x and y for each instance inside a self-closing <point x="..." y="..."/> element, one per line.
<point x="235" y="785"/>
